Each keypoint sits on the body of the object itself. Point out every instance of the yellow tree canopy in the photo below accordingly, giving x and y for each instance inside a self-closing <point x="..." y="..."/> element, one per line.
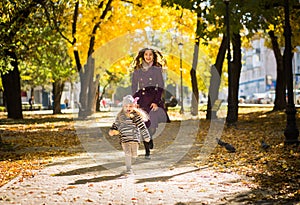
<point x="132" y="26"/>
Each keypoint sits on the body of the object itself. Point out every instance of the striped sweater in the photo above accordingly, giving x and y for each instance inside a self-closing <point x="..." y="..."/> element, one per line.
<point x="131" y="128"/>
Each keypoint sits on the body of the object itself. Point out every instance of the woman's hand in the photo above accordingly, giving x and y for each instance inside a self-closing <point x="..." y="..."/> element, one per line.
<point x="113" y="132"/>
<point x="153" y="106"/>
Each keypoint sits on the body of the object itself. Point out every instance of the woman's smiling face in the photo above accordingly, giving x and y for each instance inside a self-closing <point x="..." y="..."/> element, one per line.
<point x="148" y="56"/>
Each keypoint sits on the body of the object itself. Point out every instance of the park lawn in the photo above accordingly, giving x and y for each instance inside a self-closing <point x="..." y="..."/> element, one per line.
<point x="33" y="142"/>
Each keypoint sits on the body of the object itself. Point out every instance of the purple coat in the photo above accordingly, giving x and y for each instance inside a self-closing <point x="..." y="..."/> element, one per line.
<point x="149" y="86"/>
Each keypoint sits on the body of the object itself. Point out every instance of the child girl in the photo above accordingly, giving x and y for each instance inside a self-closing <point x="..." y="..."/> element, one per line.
<point x="131" y="128"/>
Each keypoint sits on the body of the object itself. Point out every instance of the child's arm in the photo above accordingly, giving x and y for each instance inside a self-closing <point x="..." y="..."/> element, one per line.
<point x="141" y="113"/>
<point x="113" y="130"/>
<point x="137" y="119"/>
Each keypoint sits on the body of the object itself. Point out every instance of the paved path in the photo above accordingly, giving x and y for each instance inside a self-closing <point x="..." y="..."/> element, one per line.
<point x="79" y="180"/>
<point x="96" y="176"/>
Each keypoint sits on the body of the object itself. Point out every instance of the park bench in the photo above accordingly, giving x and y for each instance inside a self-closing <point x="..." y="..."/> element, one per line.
<point x="26" y="106"/>
<point x="214" y="108"/>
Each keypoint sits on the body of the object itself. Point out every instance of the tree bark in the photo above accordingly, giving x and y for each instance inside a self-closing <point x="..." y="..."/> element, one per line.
<point x="195" y="95"/>
<point x="83" y="92"/>
<point x="98" y="100"/>
<point x="215" y="80"/>
<point x="88" y="89"/>
<point x="103" y="93"/>
<point x="280" y="99"/>
<point x="236" y="64"/>
<point x="12" y="89"/>
<point x="58" y="87"/>
<point x="93" y="93"/>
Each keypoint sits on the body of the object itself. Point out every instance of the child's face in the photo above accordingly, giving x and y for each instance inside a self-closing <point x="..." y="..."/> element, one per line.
<point x="128" y="108"/>
<point x="148" y="56"/>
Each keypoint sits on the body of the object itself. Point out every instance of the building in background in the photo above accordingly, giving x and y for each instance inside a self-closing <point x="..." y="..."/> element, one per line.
<point x="296" y="66"/>
<point x="258" y="74"/>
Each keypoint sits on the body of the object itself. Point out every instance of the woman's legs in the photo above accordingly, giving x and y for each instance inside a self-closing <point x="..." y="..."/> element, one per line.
<point x="149" y="145"/>
<point x="147" y="150"/>
<point x="152" y="124"/>
<point x="152" y="131"/>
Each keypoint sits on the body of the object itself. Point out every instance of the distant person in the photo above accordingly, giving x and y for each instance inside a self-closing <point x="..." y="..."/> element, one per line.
<point x="67" y="102"/>
<point x="103" y="103"/>
<point x="31" y="102"/>
<point x="131" y="128"/>
<point x="172" y="102"/>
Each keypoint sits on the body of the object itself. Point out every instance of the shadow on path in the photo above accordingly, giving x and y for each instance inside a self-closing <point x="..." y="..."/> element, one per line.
<point x="166" y="178"/>
<point x="96" y="179"/>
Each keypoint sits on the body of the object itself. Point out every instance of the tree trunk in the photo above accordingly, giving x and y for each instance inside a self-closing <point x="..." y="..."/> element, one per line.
<point x="58" y="87"/>
<point x="195" y="94"/>
<point x="215" y="80"/>
<point x="87" y="98"/>
<point x="236" y="64"/>
<point x="280" y="99"/>
<point x="103" y="93"/>
<point x="93" y="93"/>
<point x="12" y="89"/>
<point x="98" y="100"/>
<point x="83" y="97"/>
<point x="88" y="89"/>
<point x="237" y="67"/>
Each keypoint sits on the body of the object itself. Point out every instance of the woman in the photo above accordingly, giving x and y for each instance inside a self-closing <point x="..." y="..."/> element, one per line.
<point x="148" y="86"/>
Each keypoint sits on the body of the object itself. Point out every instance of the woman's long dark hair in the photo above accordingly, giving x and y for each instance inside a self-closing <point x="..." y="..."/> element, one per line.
<point x="137" y="64"/>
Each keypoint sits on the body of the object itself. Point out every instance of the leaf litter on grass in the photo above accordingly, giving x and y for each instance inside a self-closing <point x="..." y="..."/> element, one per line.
<point x="274" y="171"/>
